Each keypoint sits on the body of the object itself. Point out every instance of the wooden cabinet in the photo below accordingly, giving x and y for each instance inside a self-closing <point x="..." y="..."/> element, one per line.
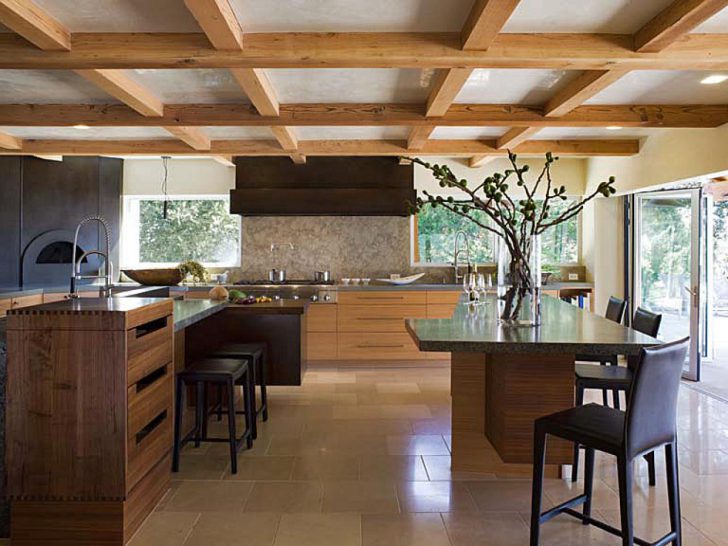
<point x="92" y="434"/>
<point x="19" y="301"/>
<point x="377" y="318"/>
<point x="378" y="346"/>
<point x="383" y="297"/>
<point x="321" y="331"/>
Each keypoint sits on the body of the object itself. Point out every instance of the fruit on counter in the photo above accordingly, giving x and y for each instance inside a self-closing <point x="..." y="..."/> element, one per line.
<point x="219" y="293"/>
<point x="236" y="296"/>
<point x="263" y="299"/>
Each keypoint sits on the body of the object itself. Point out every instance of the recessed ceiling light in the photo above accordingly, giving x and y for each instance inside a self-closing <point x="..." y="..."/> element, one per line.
<point x="613" y="128"/>
<point x="714" y="79"/>
<point x="81" y="127"/>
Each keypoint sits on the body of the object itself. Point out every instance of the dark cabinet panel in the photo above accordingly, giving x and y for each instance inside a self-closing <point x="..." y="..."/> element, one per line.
<point x="10" y="212"/>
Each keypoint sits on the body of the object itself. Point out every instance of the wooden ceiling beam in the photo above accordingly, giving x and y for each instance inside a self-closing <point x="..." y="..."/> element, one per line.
<point x="585" y="86"/>
<point x="325" y="114"/>
<point x="674" y="23"/>
<point x="121" y="86"/>
<point x="286" y="138"/>
<point x="257" y="87"/>
<point x="367" y="50"/>
<point x="446" y="87"/>
<point x="485" y="22"/>
<point x="218" y="22"/>
<point x="10" y="142"/>
<point x="515" y="137"/>
<point x="418" y="136"/>
<point x="192" y="136"/>
<point x="34" y="25"/>
<point x="451" y="148"/>
<point x="226" y="160"/>
<point x="480" y="160"/>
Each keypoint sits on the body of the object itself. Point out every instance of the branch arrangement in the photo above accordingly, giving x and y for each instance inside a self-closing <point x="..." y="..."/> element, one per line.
<point x="514" y="220"/>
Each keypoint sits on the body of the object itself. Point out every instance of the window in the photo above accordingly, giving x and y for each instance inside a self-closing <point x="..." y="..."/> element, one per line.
<point x="435" y="229"/>
<point x="196" y="228"/>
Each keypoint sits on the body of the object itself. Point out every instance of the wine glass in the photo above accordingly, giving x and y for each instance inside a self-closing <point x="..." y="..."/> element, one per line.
<point x="482" y="288"/>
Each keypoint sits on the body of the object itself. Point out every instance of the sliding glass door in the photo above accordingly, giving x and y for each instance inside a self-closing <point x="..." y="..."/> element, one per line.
<point x="669" y="266"/>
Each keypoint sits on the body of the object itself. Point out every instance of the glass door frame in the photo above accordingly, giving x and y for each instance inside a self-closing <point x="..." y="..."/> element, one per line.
<point x="697" y="289"/>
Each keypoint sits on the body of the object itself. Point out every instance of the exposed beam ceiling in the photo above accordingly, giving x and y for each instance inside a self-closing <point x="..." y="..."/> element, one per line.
<point x="218" y="21"/>
<point x="257" y="87"/>
<point x="327" y="114"/>
<point x="485" y="21"/>
<point x="33" y="24"/>
<point x="286" y="138"/>
<point x="674" y="22"/>
<point x="447" y="86"/>
<point x="418" y="136"/>
<point x="119" y="85"/>
<point x="192" y="136"/>
<point x="368" y="50"/>
<point x="9" y="142"/>
<point x="585" y="86"/>
<point x="451" y="148"/>
<point x="516" y="136"/>
<point x="226" y="160"/>
<point x="480" y="160"/>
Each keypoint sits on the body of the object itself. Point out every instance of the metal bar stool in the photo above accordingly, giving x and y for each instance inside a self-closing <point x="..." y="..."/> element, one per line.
<point x="649" y="423"/>
<point x="225" y="373"/>
<point x="616" y="379"/>
<point x="255" y="354"/>
<point x="615" y="313"/>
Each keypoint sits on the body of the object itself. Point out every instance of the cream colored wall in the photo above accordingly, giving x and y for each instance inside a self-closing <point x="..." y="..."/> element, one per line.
<point x="186" y="177"/>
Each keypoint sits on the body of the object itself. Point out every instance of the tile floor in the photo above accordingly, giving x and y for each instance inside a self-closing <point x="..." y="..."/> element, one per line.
<point x="361" y="458"/>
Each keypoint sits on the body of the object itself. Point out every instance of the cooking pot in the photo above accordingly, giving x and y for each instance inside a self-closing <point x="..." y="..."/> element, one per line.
<point x="322" y="276"/>
<point x="277" y="275"/>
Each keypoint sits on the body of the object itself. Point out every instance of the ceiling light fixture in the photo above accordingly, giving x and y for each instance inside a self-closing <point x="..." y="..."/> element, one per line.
<point x="613" y="128"/>
<point x="81" y="127"/>
<point x="714" y="79"/>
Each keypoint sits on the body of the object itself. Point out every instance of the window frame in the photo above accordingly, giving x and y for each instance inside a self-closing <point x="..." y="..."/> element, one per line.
<point x="129" y="237"/>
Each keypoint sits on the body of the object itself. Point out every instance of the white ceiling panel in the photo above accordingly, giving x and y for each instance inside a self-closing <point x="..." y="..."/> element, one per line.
<point x="511" y="86"/>
<point x="192" y="86"/>
<point x="92" y="133"/>
<point x="232" y="133"/>
<point x="467" y="133"/>
<point x="351" y="15"/>
<point x="121" y="15"/>
<point x="351" y="133"/>
<point x="555" y="133"/>
<point x="48" y="87"/>
<point x="717" y="24"/>
<point x="605" y="16"/>
<point x="662" y="87"/>
<point x="350" y="84"/>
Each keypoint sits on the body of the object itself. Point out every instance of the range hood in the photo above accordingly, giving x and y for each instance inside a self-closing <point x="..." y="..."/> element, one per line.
<point x="323" y="186"/>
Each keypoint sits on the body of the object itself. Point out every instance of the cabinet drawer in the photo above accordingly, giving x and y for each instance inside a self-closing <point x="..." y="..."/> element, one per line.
<point x="146" y="448"/>
<point x="443" y="297"/>
<point x="50" y="298"/>
<point x="378" y="346"/>
<point x="321" y="317"/>
<point x="321" y="346"/>
<point x="377" y="318"/>
<point x="382" y="297"/>
<point x="26" y="301"/>
<point x="148" y="397"/>
<point x="440" y="311"/>
<point x="149" y="346"/>
<point x="5" y="306"/>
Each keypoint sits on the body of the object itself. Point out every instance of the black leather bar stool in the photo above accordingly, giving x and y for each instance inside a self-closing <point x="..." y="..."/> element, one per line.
<point x="256" y="355"/>
<point x="649" y="423"/>
<point x="223" y="372"/>
<point x="616" y="379"/>
<point x="615" y="313"/>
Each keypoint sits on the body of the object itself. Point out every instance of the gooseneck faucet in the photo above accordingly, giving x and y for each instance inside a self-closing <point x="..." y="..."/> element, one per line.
<point x="458" y="250"/>
<point x="76" y="264"/>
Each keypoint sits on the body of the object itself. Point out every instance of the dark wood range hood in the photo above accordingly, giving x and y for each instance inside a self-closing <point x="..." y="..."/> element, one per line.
<point x="323" y="186"/>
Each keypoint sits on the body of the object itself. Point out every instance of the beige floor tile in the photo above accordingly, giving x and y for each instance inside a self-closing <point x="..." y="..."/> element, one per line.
<point x="285" y="497"/>
<point x="501" y="495"/>
<point x="558" y="491"/>
<point x="397" y="388"/>
<point x="427" y="444"/>
<point x="567" y="531"/>
<point x="209" y="496"/>
<point x="653" y="524"/>
<point x="262" y="468"/>
<point x="360" y="426"/>
<point x="392" y="467"/>
<point x="281" y="427"/>
<point x="164" y="529"/>
<point x="234" y="530"/>
<point x="202" y="467"/>
<point x="404" y="530"/>
<point x="319" y="530"/>
<point x="435" y="497"/>
<point x="438" y="468"/>
<point x="326" y="467"/>
<point x="431" y="426"/>
<point x="366" y="497"/>
<point x="389" y="411"/>
<point x="506" y="529"/>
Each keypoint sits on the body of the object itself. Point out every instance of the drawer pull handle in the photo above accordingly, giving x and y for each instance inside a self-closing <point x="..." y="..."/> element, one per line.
<point x="150" y="427"/>
<point x="380" y="297"/>
<point x="367" y="346"/>
<point x="379" y="318"/>
<point x="151" y="378"/>
<point x="149" y="327"/>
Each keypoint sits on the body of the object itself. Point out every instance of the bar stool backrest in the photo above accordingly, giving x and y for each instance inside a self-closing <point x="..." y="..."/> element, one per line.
<point x="646" y="322"/>
<point x="651" y="419"/>
<point x="615" y="309"/>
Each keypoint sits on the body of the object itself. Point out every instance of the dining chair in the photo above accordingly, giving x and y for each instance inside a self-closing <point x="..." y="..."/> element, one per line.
<point x="614" y="378"/>
<point x="649" y="423"/>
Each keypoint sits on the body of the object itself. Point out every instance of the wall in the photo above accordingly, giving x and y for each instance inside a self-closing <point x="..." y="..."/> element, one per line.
<point x="185" y="177"/>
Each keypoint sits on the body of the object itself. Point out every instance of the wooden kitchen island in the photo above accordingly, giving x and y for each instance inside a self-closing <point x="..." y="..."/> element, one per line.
<point x="503" y="378"/>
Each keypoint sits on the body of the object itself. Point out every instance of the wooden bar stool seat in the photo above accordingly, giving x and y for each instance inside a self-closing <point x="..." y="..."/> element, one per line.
<point x="225" y="373"/>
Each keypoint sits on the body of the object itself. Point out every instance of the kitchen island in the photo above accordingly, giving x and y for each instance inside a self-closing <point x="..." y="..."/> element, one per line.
<point x="503" y="378"/>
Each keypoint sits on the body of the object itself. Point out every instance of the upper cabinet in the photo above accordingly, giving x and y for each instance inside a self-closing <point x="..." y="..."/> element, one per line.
<point x="323" y="186"/>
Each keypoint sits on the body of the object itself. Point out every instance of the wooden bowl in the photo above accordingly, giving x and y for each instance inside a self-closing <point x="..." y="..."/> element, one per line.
<point x="155" y="277"/>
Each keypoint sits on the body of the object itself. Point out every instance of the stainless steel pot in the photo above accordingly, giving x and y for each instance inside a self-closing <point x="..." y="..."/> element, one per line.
<point x="277" y="275"/>
<point x="322" y="276"/>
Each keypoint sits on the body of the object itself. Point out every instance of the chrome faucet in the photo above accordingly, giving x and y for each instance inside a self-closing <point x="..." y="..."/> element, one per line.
<point x="76" y="276"/>
<point x="458" y="250"/>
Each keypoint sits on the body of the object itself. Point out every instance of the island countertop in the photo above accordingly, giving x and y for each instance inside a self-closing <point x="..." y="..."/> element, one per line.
<point x="564" y="329"/>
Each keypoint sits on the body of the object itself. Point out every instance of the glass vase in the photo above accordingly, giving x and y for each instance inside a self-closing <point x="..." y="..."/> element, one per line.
<point x="534" y="267"/>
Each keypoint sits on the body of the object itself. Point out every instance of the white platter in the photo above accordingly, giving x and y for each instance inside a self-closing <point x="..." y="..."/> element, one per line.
<point x="403" y="280"/>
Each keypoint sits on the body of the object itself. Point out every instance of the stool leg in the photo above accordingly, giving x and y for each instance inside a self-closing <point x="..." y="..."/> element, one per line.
<point x="250" y="385"/>
<point x="575" y="463"/>
<point x="220" y="397"/>
<point x="178" y="406"/>
<point x="673" y="491"/>
<point x="199" y="412"/>
<point x="605" y="400"/>
<point x="650" y="458"/>
<point x="233" y="439"/>
<point x="625" y="499"/>
<point x="264" y="384"/>
<point x="588" y="481"/>
<point x="205" y="411"/>
<point x="249" y="402"/>
<point x="539" y="460"/>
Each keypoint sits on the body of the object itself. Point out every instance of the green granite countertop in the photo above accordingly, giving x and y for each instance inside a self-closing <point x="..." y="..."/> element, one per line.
<point x="188" y="312"/>
<point x="564" y="329"/>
